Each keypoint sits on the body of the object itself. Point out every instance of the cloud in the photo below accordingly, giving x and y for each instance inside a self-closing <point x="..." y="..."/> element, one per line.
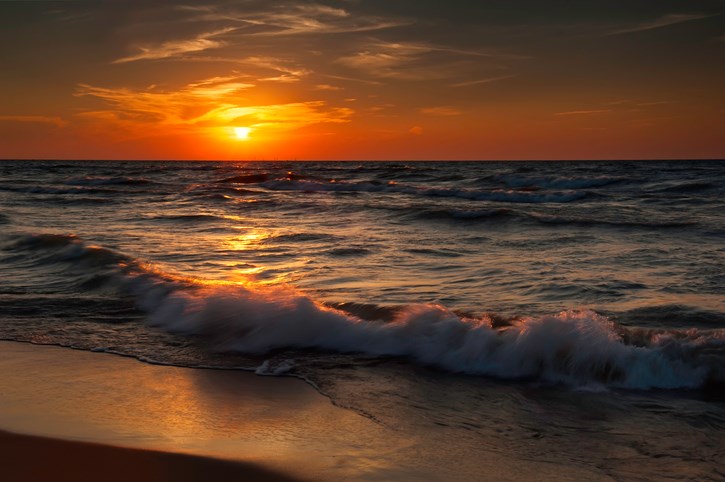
<point x="56" y="121"/>
<point x="285" y="70"/>
<point x="487" y="80"/>
<point x="654" y="103"/>
<point x="284" y="20"/>
<point x="416" y="130"/>
<point x="290" y="116"/>
<point x="286" y="73"/>
<point x="178" y="48"/>
<point x="583" y="112"/>
<point x="407" y="60"/>
<point x="351" y="79"/>
<point x="206" y="104"/>
<point x="327" y="87"/>
<point x="661" y="22"/>
<point x="441" y="111"/>
<point x="216" y="87"/>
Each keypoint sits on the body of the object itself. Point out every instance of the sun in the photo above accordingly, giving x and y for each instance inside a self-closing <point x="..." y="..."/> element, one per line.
<point x="242" y="133"/>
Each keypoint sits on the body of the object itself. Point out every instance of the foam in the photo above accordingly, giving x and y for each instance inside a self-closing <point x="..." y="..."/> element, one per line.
<point x="577" y="348"/>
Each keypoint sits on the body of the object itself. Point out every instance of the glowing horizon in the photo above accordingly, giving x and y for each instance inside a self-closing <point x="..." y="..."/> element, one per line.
<point x="362" y="80"/>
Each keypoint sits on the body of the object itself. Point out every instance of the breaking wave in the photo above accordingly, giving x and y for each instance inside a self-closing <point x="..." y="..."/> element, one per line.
<point x="577" y="348"/>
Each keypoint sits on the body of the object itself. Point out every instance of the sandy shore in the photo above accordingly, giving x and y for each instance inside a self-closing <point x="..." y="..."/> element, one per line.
<point x="75" y="409"/>
<point x="37" y="459"/>
<point x="281" y="424"/>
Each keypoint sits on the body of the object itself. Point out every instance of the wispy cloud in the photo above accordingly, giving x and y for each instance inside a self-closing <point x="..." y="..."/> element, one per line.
<point x="290" y="116"/>
<point x="654" y="103"/>
<point x="56" y="121"/>
<point x="327" y="87"/>
<point x="583" y="112"/>
<point x="407" y="60"/>
<point x="661" y="22"/>
<point x="351" y="79"/>
<point x="284" y="20"/>
<point x="420" y="47"/>
<point x="266" y="68"/>
<point x="177" y="48"/>
<point x="487" y="80"/>
<point x="442" y="111"/>
<point x="285" y="71"/>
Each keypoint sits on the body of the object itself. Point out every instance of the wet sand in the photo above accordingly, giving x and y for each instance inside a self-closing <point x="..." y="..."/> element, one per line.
<point x="279" y="423"/>
<point x="95" y="416"/>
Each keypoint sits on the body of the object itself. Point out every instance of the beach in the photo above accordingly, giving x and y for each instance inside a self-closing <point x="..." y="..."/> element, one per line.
<point x="73" y="415"/>
<point x="98" y="401"/>
<point x="362" y="241"/>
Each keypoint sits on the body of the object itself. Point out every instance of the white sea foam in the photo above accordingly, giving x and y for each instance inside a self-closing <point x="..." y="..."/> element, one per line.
<point x="266" y="368"/>
<point x="573" y="347"/>
<point x="579" y="348"/>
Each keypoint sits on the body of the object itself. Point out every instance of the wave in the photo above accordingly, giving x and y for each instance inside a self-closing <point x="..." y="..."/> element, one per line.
<point x="304" y="183"/>
<point x="559" y="182"/>
<point x="584" y="221"/>
<point x="442" y="253"/>
<point x="109" y="181"/>
<point x="689" y="187"/>
<point x="578" y="348"/>
<point x="302" y="237"/>
<point x="542" y="218"/>
<point x="246" y="179"/>
<point x="187" y="218"/>
<point x="672" y="316"/>
<point x="55" y="190"/>
<point x="349" y="251"/>
<point x="215" y="197"/>
<point x="495" y="195"/>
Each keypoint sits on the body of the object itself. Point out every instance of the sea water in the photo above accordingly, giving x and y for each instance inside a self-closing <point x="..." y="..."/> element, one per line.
<point x="571" y="312"/>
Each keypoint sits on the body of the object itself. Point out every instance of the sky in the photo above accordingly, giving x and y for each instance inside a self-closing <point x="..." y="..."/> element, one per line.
<point x="362" y="79"/>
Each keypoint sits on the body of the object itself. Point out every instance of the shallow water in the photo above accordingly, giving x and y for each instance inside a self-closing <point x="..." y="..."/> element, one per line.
<point x="515" y="302"/>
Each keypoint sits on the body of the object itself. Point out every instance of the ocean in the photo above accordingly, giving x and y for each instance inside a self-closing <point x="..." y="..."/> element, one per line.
<point x="571" y="312"/>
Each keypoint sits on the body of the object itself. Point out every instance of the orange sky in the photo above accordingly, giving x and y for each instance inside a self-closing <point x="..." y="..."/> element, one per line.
<point x="362" y="79"/>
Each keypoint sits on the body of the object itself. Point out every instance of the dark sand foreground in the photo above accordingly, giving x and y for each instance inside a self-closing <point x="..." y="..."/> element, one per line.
<point x="36" y="459"/>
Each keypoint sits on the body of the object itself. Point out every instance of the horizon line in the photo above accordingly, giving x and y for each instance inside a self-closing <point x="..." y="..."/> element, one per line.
<point x="642" y="159"/>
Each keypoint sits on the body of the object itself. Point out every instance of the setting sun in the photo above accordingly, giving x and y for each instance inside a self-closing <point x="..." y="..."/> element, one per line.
<point x="242" y="133"/>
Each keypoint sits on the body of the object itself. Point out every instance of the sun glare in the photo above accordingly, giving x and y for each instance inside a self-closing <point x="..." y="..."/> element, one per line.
<point x="242" y="133"/>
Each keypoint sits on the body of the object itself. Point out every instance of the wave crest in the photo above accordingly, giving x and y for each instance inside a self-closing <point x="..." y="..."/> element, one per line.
<point x="573" y="347"/>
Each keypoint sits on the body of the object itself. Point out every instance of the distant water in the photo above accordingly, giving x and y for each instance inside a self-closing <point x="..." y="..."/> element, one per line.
<point x="508" y="304"/>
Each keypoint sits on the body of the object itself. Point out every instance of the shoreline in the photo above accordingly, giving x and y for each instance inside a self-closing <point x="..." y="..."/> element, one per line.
<point x="67" y="400"/>
<point x="66" y="410"/>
